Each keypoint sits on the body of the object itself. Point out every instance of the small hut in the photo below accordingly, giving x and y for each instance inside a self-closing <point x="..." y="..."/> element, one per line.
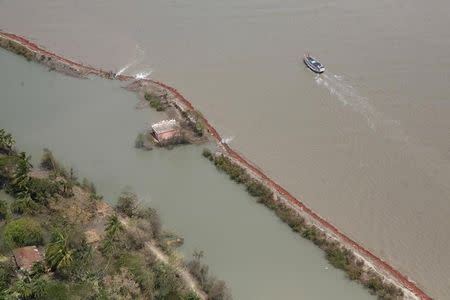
<point x="26" y="257"/>
<point x="165" y="131"/>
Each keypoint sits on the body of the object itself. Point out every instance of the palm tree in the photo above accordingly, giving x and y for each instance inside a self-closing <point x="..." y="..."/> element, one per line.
<point x="23" y="204"/>
<point x="24" y="165"/>
<point x="20" y="181"/>
<point x="113" y="228"/>
<point x="58" y="254"/>
<point x="28" y="288"/>
<point x="21" y="289"/>
<point x="39" y="287"/>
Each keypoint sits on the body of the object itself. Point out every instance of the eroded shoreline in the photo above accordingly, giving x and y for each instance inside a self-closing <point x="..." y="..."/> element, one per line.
<point x="411" y="290"/>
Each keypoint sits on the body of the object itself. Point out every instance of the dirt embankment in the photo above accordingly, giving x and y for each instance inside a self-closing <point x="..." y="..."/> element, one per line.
<point x="32" y="51"/>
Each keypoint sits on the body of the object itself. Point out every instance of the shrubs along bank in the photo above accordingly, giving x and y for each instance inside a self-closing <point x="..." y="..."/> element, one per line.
<point x="87" y="249"/>
<point x="17" y="49"/>
<point x="216" y="289"/>
<point x="336" y="254"/>
<point x="48" y="61"/>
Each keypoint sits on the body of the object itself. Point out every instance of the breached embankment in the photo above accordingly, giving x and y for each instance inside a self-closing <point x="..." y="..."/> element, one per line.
<point x="17" y="44"/>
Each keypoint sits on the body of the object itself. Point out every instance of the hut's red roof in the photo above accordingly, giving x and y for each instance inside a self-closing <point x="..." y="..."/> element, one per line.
<point x="26" y="257"/>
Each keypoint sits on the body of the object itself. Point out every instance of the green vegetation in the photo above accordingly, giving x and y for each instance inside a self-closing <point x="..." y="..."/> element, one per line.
<point x="6" y="274"/>
<point x="113" y="230"/>
<point x="128" y="203"/>
<point x="25" y="206"/>
<point x="155" y="101"/>
<point x="49" y="163"/>
<point x="336" y="254"/>
<point x="198" y="122"/>
<point x="6" y="142"/>
<point x="92" y="251"/>
<point x="23" y="232"/>
<point x="139" y="143"/>
<point x="17" y="48"/>
<point x="216" y="289"/>
<point x="59" y="254"/>
<point x="4" y="209"/>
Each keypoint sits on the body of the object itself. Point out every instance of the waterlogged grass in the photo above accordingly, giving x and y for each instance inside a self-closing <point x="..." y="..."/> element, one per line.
<point x="155" y="102"/>
<point x="336" y="254"/>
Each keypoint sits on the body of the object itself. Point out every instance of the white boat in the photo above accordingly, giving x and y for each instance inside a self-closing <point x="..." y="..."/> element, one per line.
<point x="313" y="64"/>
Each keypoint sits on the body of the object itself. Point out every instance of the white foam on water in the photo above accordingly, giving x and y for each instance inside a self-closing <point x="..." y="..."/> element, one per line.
<point x="227" y="140"/>
<point x="143" y="75"/>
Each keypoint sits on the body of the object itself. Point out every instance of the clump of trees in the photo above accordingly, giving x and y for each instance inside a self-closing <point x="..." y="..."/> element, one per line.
<point x="18" y="49"/>
<point x="49" y="163"/>
<point x="24" y="206"/>
<point x="197" y="122"/>
<point x="23" y="232"/>
<point x="155" y="101"/>
<point x="4" y="209"/>
<point x="215" y="289"/>
<point x="337" y="255"/>
<point x="128" y="203"/>
<point x="146" y="219"/>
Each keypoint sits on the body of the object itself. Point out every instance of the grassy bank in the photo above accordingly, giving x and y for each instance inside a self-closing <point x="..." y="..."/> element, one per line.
<point x="17" y="49"/>
<point x="335" y="253"/>
<point x="156" y="102"/>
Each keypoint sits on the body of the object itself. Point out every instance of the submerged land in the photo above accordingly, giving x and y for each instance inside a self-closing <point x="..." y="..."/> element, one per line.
<point x="364" y="267"/>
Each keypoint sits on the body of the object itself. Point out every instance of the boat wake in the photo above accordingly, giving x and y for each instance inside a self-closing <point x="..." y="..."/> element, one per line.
<point x="138" y="57"/>
<point x="349" y="96"/>
<point x="126" y="67"/>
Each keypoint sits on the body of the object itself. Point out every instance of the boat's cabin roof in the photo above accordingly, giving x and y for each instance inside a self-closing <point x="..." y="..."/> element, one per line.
<point x="314" y="62"/>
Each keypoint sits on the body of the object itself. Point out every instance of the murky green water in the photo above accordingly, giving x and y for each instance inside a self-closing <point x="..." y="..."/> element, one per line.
<point x="91" y="124"/>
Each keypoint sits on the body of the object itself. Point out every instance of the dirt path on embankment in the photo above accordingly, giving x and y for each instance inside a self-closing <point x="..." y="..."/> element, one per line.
<point x="410" y="288"/>
<point x="189" y="281"/>
<point x="187" y="278"/>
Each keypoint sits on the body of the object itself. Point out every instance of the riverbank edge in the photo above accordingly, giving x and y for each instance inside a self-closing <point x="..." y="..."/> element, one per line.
<point x="21" y="45"/>
<point x="79" y="192"/>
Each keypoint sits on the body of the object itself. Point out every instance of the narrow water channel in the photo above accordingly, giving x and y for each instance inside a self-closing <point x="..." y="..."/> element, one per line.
<point x="91" y="125"/>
